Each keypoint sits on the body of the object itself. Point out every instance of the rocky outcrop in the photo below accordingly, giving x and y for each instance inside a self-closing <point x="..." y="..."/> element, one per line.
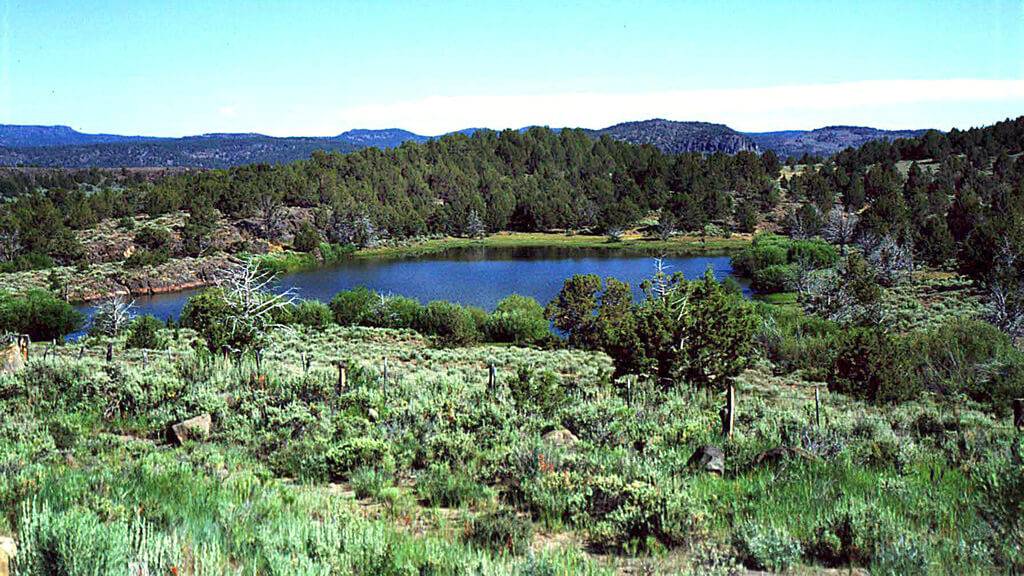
<point x="176" y="275"/>
<point x="8" y="550"/>
<point x="562" y="438"/>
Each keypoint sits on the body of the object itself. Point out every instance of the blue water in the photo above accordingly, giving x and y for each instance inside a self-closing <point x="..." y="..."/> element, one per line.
<point x="473" y="276"/>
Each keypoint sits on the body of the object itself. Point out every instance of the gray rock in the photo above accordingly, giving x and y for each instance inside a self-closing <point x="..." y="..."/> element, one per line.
<point x="708" y="458"/>
<point x="8" y="550"/>
<point x="561" y="437"/>
<point x="197" y="428"/>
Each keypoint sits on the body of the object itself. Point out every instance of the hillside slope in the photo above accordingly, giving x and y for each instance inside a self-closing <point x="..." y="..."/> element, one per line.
<point x="824" y="141"/>
<point x="677" y="137"/>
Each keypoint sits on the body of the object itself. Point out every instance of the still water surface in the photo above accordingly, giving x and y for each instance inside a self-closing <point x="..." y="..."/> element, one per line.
<point x="473" y="276"/>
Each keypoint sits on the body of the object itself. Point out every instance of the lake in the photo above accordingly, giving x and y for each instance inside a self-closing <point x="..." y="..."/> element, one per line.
<point x="472" y="276"/>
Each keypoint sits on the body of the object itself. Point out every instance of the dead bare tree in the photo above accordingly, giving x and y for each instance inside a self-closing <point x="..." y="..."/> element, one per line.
<point x="112" y="316"/>
<point x="840" y="227"/>
<point x="892" y="261"/>
<point x="253" y="307"/>
<point x="10" y="244"/>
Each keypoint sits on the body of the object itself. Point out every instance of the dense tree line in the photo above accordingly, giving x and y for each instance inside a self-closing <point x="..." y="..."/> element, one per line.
<point x="462" y="185"/>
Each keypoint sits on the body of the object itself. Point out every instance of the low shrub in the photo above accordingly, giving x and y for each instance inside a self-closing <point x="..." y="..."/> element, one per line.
<point x="369" y="482"/>
<point x="775" y="278"/>
<point x="500" y="531"/>
<point x="767" y="547"/>
<point x="353" y="307"/>
<point x="517" y="319"/>
<point x="360" y="452"/>
<point x="312" y="313"/>
<point x="144" y="332"/>
<point x="39" y="314"/>
<point x="441" y="486"/>
<point x="451" y="323"/>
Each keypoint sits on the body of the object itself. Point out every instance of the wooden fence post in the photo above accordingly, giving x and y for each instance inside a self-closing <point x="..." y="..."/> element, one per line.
<point x="305" y="363"/>
<point x="24" y="342"/>
<point x="492" y="376"/>
<point x="145" y="359"/>
<point x="384" y="378"/>
<point x="817" y="406"/>
<point x="1018" y="413"/>
<point x="81" y="352"/>
<point x="110" y="351"/>
<point x="342" y="377"/>
<point x="729" y="415"/>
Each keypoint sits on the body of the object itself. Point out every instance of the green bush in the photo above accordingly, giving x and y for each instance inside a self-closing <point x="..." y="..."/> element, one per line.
<point x="517" y="319"/>
<point x="312" y="313"/>
<point x="39" y="314"/>
<point x="144" y="332"/>
<point x="207" y="313"/>
<point x="359" y="452"/>
<point x="353" y="307"/>
<point x="971" y="358"/>
<point x="307" y="238"/>
<point x="144" y="257"/>
<point x="451" y="323"/>
<point x="767" y="547"/>
<point x="393" y="312"/>
<point x="369" y="482"/>
<point x="775" y="278"/>
<point x="30" y="261"/>
<point x="440" y="486"/>
<point x="875" y="366"/>
<point x="153" y="238"/>
<point x="500" y="531"/>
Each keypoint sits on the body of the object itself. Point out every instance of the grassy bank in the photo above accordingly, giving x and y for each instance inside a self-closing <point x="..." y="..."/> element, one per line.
<point x="637" y="243"/>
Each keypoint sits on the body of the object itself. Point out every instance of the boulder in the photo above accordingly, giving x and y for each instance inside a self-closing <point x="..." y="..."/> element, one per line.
<point x="8" y="549"/>
<point x="12" y="358"/>
<point x="561" y="437"/>
<point x="196" y="428"/>
<point x="708" y="458"/>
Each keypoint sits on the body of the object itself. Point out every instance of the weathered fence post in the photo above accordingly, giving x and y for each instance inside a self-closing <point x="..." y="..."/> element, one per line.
<point x="145" y="359"/>
<point x="24" y="342"/>
<point x="81" y="352"/>
<point x="729" y="412"/>
<point x="305" y="363"/>
<point x="342" y="377"/>
<point x="110" y="351"/>
<point x="492" y="376"/>
<point x="385" y="371"/>
<point x="1018" y="413"/>
<point x="817" y="406"/>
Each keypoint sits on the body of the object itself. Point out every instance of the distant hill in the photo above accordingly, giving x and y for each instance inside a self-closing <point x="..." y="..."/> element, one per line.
<point x="18" y="136"/>
<point x="64" y="147"/>
<point x="386" y="138"/>
<point x="207" y="151"/>
<point x="677" y="137"/>
<point x="824" y="141"/>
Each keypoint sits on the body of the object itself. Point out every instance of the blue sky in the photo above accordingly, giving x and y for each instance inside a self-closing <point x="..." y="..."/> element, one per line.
<point x="318" y="68"/>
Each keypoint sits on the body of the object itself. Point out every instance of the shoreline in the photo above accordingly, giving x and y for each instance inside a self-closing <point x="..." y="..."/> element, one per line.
<point x="110" y="279"/>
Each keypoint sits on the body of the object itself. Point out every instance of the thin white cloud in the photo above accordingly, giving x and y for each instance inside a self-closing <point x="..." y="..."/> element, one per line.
<point x="881" y="103"/>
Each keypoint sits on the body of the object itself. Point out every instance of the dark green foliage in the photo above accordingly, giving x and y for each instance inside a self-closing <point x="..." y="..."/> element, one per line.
<point x="153" y="238"/>
<point x="971" y="358"/>
<point x="500" y="531"/>
<point x="353" y="307"/>
<point x="39" y="314"/>
<point x="208" y="314"/>
<point x="144" y="332"/>
<point x="775" y="278"/>
<point x="517" y="319"/>
<point x="30" y="261"/>
<point x="143" y="257"/>
<point x="451" y="323"/>
<point x="875" y="366"/>
<point x="773" y="262"/>
<point x="307" y="238"/>
<point x="312" y="313"/>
